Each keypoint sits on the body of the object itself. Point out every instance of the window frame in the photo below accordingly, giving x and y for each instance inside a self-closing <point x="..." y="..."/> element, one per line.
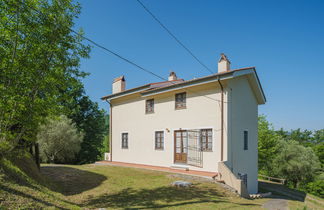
<point x="182" y="104"/>
<point x="124" y="144"/>
<point x="159" y="139"/>
<point x="147" y="111"/>
<point x="245" y="140"/>
<point x="208" y="140"/>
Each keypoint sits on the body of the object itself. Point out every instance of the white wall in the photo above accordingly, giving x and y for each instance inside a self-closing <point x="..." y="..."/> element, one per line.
<point x="128" y="115"/>
<point x="243" y="115"/>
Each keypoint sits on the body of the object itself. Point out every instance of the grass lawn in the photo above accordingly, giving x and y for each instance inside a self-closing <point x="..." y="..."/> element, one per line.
<point x="91" y="186"/>
<point x="112" y="187"/>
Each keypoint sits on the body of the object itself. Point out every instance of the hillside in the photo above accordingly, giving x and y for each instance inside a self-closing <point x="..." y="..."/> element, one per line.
<point x="19" y="188"/>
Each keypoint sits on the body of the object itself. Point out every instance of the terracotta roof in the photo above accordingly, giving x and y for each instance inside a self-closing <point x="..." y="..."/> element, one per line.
<point x="119" y="78"/>
<point x="151" y="87"/>
<point x="164" y="84"/>
<point x="200" y="78"/>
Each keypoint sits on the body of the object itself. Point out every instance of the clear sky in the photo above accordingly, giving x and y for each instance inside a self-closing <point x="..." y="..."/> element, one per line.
<point x="283" y="39"/>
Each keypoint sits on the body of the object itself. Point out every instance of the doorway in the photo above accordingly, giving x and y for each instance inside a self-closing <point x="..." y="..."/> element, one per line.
<point x="180" y="146"/>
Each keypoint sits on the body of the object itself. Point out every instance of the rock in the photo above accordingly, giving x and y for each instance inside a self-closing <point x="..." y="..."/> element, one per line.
<point x="181" y="184"/>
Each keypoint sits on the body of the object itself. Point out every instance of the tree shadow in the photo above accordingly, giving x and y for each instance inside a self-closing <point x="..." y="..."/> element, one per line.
<point x="282" y="191"/>
<point x="161" y="197"/>
<point x="71" y="181"/>
<point x="24" y="195"/>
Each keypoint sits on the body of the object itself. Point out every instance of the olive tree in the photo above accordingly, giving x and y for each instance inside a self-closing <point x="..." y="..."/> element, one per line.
<point x="296" y="163"/>
<point x="59" y="140"/>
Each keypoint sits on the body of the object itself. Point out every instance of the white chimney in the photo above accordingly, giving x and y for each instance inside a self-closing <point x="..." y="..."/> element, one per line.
<point x="172" y="76"/>
<point x="118" y="84"/>
<point x="223" y="64"/>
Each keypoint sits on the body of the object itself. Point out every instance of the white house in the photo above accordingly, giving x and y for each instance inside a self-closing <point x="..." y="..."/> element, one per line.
<point x="206" y="124"/>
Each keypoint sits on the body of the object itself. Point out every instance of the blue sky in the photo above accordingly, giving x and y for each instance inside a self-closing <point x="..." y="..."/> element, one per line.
<point x="283" y="39"/>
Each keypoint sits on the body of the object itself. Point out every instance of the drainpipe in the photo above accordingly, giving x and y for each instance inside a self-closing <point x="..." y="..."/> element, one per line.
<point x="222" y="117"/>
<point x="110" y="129"/>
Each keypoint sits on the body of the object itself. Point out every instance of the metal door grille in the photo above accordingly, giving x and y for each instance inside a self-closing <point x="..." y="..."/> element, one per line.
<point x="195" y="154"/>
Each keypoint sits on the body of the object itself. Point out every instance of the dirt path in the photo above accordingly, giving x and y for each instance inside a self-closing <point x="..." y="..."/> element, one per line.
<point x="276" y="204"/>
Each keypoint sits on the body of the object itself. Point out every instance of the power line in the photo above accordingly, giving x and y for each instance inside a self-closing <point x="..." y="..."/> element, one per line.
<point x="127" y="60"/>
<point x="174" y="37"/>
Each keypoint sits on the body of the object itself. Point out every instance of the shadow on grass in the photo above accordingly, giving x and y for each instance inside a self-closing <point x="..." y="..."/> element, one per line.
<point x="282" y="191"/>
<point x="71" y="181"/>
<point x="161" y="197"/>
<point x="24" y="195"/>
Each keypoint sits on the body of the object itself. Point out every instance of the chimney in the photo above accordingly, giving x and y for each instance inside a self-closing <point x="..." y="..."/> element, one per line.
<point x="118" y="84"/>
<point x="223" y="64"/>
<point x="172" y="76"/>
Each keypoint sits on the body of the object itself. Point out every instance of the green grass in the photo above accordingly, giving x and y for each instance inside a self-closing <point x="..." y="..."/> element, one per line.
<point x="118" y="187"/>
<point x="19" y="191"/>
<point x="111" y="187"/>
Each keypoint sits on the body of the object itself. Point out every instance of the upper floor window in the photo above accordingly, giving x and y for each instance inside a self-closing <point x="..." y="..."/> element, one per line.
<point x="206" y="139"/>
<point x="246" y="140"/>
<point x="125" y="140"/>
<point x="180" y="100"/>
<point x="159" y="140"/>
<point x="149" y="106"/>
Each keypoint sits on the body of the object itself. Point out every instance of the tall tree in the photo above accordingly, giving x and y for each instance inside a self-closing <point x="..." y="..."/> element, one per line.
<point x="40" y="60"/>
<point x="268" y="144"/>
<point x="90" y="119"/>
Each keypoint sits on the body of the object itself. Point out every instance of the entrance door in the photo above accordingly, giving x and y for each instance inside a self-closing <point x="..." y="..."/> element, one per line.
<point x="180" y="146"/>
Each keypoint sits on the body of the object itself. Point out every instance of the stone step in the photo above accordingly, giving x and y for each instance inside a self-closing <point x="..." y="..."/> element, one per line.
<point x="180" y="167"/>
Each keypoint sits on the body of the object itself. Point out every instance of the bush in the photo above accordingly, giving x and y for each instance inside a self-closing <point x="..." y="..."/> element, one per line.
<point x="316" y="188"/>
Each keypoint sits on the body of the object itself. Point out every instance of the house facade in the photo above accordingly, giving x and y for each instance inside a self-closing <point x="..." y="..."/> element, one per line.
<point x="195" y="124"/>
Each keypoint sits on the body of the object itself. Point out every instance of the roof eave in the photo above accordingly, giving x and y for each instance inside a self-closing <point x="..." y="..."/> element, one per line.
<point x="179" y="86"/>
<point x="125" y="93"/>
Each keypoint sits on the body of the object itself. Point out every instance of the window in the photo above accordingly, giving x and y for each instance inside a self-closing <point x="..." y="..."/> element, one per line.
<point x="206" y="139"/>
<point x="159" y="140"/>
<point x="149" y="107"/>
<point x="180" y="100"/>
<point x="125" y="140"/>
<point x="246" y="138"/>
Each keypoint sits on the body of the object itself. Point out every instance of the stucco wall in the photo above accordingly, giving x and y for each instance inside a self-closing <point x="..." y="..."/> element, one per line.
<point x="129" y="116"/>
<point x="243" y="115"/>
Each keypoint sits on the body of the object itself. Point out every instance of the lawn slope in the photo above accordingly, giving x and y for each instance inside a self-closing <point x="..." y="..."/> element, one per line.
<point x="19" y="190"/>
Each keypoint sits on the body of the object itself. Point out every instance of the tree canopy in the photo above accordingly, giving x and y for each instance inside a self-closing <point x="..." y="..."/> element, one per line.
<point x="40" y="59"/>
<point x="59" y="140"/>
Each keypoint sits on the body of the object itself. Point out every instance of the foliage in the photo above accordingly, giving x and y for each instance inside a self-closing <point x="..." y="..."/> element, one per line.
<point x="105" y="147"/>
<point x="319" y="151"/>
<point x="267" y="145"/>
<point x="296" y="163"/>
<point x="91" y="120"/>
<point x="316" y="188"/>
<point x="59" y="140"/>
<point x="40" y="60"/>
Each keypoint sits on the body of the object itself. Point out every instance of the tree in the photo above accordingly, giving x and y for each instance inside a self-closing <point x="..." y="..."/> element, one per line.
<point x="319" y="151"/>
<point x="40" y="59"/>
<point x="89" y="118"/>
<point x="296" y="163"/>
<point x="59" y="140"/>
<point x="267" y="145"/>
<point x="318" y="136"/>
<point x="303" y="137"/>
